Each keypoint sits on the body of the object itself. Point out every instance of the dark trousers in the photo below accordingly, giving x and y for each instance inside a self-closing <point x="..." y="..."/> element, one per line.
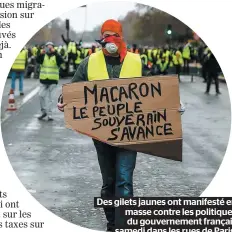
<point x="186" y="66"/>
<point x="178" y="70"/>
<point x="212" y="76"/>
<point x="204" y="73"/>
<point x="117" y="166"/>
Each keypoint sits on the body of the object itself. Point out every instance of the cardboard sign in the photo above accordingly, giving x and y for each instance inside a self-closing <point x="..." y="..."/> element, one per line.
<point x="138" y="114"/>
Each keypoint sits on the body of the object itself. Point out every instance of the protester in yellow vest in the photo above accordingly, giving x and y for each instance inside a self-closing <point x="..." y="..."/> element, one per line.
<point x="72" y="52"/>
<point x="113" y="61"/>
<point x="50" y="62"/>
<point x="79" y="58"/>
<point x="18" y="69"/>
<point x="186" y="56"/>
<point x="162" y="66"/>
<point x="154" y="55"/>
<point x="34" y="50"/>
<point x="178" y="62"/>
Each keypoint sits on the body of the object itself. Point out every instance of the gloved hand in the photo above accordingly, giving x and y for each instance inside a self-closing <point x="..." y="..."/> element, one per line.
<point x="182" y="108"/>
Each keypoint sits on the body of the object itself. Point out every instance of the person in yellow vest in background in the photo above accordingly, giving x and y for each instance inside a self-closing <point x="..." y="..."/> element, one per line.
<point x="178" y="62"/>
<point x="84" y="53"/>
<point x="72" y="54"/>
<point x="154" y="55"/>
<point x="50" y="62"/>
<point x="34" y="50"/>
<point x="186" y="54"/>
<point x="79" y="57"/>
<point x="149" y="54"/>
<point x="166" y="53"/>
<point x="18" y="69"/>
<point x="113" y="61"/>
<point x="63" y="68"/>
<point x="162" y="66"/>
<point x="170" y="59"/>
<point x="144" y="58"/>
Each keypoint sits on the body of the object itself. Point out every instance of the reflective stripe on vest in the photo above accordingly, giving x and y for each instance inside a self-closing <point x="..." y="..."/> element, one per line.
<point x="163" y="66"/>
<point x="97" y="70"/>
<point x="145" y="59"/>
<point x="49" y="69"/>
<point x="20" y="61"/>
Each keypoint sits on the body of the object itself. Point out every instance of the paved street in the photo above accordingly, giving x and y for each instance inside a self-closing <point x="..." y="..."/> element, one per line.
<point x="59" y="167"/>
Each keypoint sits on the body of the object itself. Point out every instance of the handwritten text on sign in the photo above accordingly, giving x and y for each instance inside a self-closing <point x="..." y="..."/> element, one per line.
<point x="126" y="121"/>
<point x="140" y="110"/>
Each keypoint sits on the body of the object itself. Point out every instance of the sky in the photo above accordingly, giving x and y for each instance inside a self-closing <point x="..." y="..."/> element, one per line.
<point x="96" y="14"/>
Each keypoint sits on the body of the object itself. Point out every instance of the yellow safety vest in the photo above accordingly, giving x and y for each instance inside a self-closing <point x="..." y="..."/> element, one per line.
<point x="177" y="58"/>
<point x="59" y="49"/>
<point x="149" y="54"/>
<point x="78" y="60"/>
<point x="20" y="61"/>
<point x="97" y="70"/>
<point x="155" y="51"/>
<point x="163" y="66"/>
<point x="143" y="56"/>
<point x="72" y="47"/>
<point x="186" y="52"/>
<point x="49" y="69"/>
<point x="69" y="47"/>
<point x="86" y="52"/>
<point x="166" y="55"/>
<point x="171" y="63"/>
<point x="158" y="54"/>
<point x="34" y="51"/>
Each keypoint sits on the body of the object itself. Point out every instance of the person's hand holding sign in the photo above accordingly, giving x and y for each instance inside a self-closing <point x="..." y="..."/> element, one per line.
<point x="61" y="104"/>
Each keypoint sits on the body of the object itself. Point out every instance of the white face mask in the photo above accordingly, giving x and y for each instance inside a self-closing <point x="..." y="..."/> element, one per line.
<point x="111" y="48"/>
